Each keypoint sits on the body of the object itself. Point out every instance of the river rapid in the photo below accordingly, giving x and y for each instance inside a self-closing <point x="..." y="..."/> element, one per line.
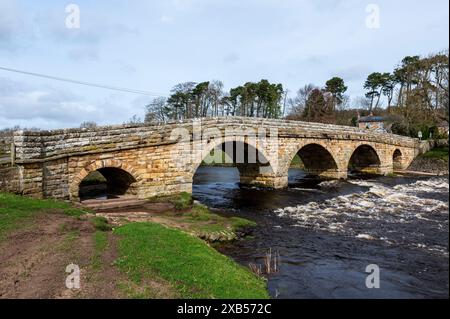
<point x="328" y="232"/>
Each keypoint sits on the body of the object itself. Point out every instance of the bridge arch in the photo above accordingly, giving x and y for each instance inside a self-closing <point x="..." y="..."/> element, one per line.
<point x="250" y="158"/>
<point x="365" y="159"/>
<point x="121" y="179"/>
<point x="397" y="159"/>
<point x="317" y="160"/>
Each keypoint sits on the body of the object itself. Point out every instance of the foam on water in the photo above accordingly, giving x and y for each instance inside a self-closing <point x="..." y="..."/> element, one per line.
<point x="393" y="214"/>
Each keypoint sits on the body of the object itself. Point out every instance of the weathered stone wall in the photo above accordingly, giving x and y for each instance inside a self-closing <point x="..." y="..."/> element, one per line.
<point x="55" y="178"/>
<point x="10" y="179"/>
<point x="5" y="143"/>
<point x="160" y="157"/>
<point x="33" y="145"/>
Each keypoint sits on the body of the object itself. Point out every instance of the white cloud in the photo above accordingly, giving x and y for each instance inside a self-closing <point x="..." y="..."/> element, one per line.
<point x="46" y="107"/>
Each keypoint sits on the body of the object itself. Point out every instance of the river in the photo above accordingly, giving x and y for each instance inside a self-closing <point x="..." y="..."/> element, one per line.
<point x="328" y="232"/>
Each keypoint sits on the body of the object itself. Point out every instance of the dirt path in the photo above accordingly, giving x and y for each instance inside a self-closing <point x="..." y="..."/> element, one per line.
<point x="102" y="281"/>
<point x="33" y="261"/>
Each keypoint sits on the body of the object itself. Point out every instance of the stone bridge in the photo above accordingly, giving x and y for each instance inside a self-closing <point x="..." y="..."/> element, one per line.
<point x="156" y="159"/>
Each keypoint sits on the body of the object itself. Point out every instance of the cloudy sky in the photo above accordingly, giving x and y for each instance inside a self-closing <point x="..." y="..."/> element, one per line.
<point x="152" y="45"/>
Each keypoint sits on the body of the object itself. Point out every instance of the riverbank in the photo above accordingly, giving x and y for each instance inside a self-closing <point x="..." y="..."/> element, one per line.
<point x="435" y="162"/>
<point x="183" y="213"/>
<point x="39" y="238"/>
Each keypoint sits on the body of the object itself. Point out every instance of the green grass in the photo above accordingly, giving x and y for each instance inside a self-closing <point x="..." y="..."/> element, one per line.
<point x="200" y="213"/>
<point x="196" y="270"/>
<point x="100" y="245"/>
<point x="437" y="153"/>
<point x="238" y="222"/>
<point x="183" y="201"/>
<point x="180" y="201"/>
<point x="18" y="211"/>
<point x="199" y="219"/>
<point x="101" y="223"/>
<point x="216" y="223"/>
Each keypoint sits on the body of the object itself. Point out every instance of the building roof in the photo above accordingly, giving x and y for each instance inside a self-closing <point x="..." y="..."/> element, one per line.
<point x="367" y="119"/>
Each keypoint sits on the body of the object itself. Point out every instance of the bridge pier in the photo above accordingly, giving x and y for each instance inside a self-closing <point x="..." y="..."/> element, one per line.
<point x="328" y="174"/>
<point x="262" y="176"/>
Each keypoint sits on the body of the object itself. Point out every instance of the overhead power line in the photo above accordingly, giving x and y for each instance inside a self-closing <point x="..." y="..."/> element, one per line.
<point x="82" y="82"/>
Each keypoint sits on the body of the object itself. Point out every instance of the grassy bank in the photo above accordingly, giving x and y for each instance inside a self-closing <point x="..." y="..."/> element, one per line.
<point x="136" y="260"/>
<point x="439" y="153"/>
<point x="194" y="269"/>
<point x="199" y="220"/>
<point x="17" y="212"/>
<point x="434" y="161"/>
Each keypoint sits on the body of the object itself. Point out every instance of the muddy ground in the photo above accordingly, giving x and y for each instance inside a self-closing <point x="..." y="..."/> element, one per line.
<point x="33" y="261"/>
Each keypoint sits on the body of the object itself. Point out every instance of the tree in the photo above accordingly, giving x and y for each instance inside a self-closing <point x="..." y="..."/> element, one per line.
<point x="262" y="99"/>
<point x="298" y="103"/>
<point x="158" y="111"/>
<point x="215" y="96"/>
<point x="134" y="120"/>
<point x="181" y="100"/>
<point x="316" y="106"/>
<point x="404" y="75"/>
<point x="88" y="125"/>
<point x="337" y="88"/>
<point x="374" y="85"/>
<point x="388" y="86"/>
<point x="363" y="102"/>
<point x="199" y="98"/>
<point x="422" y="99"/>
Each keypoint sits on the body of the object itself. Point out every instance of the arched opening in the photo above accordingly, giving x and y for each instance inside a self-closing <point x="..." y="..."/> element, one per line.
<point x="364" y="160"/>
<point x="312" y="160"/>
<point x="228" y="167"/>
<point x="397" y="159"/>
<point x="107" y="182"/>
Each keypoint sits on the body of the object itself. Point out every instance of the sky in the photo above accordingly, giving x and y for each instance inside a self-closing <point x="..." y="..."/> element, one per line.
<point x="153" y="45"/>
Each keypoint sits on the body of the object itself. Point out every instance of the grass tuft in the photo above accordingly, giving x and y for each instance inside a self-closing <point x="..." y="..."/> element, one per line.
<point x="101" y="224"/>
<point x="239" y="223"/>
<point x="200" y="213"/>
<point x="183" y="201"/>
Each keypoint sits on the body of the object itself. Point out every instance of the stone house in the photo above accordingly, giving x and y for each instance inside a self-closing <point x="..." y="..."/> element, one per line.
<point x="372" y="123"/>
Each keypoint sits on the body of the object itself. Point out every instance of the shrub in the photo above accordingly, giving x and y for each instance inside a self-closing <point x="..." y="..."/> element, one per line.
<point x="183" y="201"/>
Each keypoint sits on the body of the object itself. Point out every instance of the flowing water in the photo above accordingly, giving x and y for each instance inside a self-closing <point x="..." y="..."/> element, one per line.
<point x="327" y="233"/>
